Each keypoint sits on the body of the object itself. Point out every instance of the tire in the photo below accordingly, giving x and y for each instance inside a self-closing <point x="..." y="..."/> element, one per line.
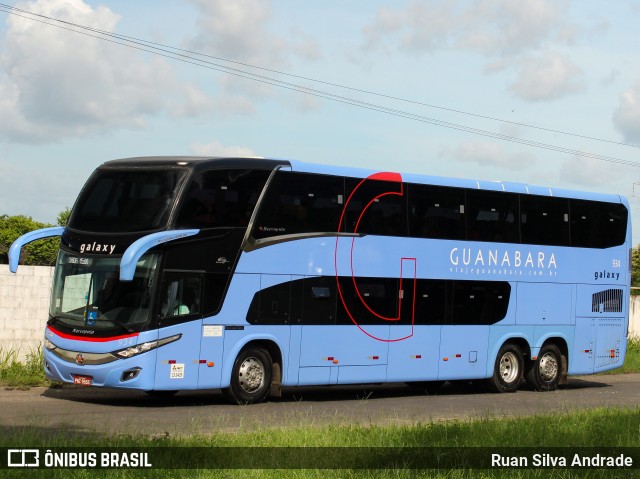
<point x="250" y="377"/>
<point x="545" y="372"/>
<point x="508" y="370"/>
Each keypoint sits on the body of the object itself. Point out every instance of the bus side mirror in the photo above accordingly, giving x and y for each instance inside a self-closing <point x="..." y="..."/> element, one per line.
<point x="16" y="246"/>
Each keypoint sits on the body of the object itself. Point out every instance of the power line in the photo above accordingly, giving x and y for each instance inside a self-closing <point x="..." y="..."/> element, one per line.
<point x="150" y="44"/>
<point x="185" y="56"/>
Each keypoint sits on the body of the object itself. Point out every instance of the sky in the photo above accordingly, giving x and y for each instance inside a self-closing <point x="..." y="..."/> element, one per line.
<point x="441" y="87"/>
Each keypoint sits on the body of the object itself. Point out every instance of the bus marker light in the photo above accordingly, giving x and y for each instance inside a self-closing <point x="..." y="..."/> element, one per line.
<point x="203" y="361"/>
<point x="330" y="358"/>
<point x="374" y="358"/>
<point x="613" y="353"/>
<point x="458" y="355"/>
<point x="335" y="361"/>
<point x="171" y="361"/>
<point x="417" y="356"/>
<point x="445" y="359"/>
<point x="210" y="364"/>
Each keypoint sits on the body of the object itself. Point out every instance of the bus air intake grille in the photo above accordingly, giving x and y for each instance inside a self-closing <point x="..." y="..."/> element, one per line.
<point x="608" y="301"/>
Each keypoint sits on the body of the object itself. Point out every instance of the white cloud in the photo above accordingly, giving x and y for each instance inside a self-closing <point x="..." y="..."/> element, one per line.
<point x="55" y="83"/>
<point x="26" y="189"/>
<point x="236" y="30"/>
<point x="490" y="27"/>
<point x="626" y="118"/>
<point x="507" y="27"/>
<point x="591" y="173"/>
<point x="240" y="31"/>
<point x="508" y="34"/>
<point x="417" y="28"/>
<point x="547" y="77"/>
<point x="215" y="148"/>
<point x="486" y="153"/>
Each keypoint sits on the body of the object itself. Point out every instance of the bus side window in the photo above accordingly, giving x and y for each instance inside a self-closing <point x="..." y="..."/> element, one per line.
<point x="436" y="212"/>
<point x="430" y="303"/>
<point x="544" y="220"/>
<point x="385" y="213"/>
<point x="221" y="198"/>
<point x="597" y="225"/>
<point x="479" y="302"/>
<point x="181" y="295"/>
<point x="493" y="216"/>
<point x="300" y="203"/>
<point x="319" y="298"/>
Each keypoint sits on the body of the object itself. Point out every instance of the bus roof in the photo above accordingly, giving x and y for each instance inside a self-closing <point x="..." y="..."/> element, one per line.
<point x="205" y="162"/>
<point x="195" y="162"/>
<point x="511" y="187"/>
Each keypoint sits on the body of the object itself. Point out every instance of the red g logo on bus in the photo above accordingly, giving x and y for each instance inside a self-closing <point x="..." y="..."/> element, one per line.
<point x="396" y="179"/>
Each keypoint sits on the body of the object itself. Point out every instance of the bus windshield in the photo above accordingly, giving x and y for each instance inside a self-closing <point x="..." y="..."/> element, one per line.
<point x="125" y="201"/>
<point x="88" y="294"/>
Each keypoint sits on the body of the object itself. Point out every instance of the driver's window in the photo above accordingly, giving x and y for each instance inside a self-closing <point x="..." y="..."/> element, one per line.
<point x="181" y="295"/>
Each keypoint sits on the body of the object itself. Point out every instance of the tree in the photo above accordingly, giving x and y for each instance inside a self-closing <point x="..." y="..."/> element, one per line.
<point x="63" y="217"/>
<point x="635" y="269"/>
<point x="42" y="252"/>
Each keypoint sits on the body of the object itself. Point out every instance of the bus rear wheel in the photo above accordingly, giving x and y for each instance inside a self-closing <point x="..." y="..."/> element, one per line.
<point x="545" y="372"/>
<point x="507" y="370"/>
<point x="250" y="377"/>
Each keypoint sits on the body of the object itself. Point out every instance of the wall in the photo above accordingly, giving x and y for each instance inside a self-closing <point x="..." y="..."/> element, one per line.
<point x="24" y="307"/>
<point x="634" y="316"/>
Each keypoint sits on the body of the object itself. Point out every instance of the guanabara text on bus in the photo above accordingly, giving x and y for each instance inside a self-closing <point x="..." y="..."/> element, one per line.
<point x="250" y="275"/>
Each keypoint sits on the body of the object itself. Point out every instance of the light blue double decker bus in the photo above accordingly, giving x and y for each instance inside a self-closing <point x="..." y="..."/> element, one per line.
<point x="247" y="275"/>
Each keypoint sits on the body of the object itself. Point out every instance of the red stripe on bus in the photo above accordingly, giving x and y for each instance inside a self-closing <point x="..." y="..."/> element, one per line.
<point x="90" y="339"/>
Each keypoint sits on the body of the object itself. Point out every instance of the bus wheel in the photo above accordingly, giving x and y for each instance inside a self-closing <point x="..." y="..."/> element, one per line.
<point x="545" y="372"/>
<point x="250" y="377"/>
<point x="508" y="369"/>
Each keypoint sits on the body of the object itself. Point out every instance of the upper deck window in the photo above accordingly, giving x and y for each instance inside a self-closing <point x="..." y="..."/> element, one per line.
<point x="544" y="220"/>
<point x="492" y="216"/>
<point x="436" y="212"/>
<point x="123" y="201"/>
<point x="597" y="225"/>
<point x="300" y="203"/>
<point x="376" y="208"/>
<point x="221" y="198"/>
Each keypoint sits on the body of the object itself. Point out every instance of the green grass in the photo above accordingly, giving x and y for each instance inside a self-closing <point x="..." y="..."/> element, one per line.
<point x="632" y="359"/>
<point x="600" y="428"/>
<point x="22" y="374"/>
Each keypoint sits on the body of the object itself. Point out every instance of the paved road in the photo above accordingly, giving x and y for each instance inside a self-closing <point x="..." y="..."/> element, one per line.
<point x="87" y="410"/>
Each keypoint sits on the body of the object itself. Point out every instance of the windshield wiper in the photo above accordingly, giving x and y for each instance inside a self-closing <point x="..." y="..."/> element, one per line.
<point x="128" y="329"/>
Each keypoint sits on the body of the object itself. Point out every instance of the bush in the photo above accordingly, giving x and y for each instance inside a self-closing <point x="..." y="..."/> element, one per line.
<point x="14" y="373"/>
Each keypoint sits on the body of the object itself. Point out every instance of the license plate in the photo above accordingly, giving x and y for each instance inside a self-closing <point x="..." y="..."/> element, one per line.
<point x="82" y="380"/>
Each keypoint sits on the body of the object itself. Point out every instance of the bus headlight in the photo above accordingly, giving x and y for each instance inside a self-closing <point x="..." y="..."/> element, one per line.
<point x="49" y="345"/>
<point x="144" y="347"/>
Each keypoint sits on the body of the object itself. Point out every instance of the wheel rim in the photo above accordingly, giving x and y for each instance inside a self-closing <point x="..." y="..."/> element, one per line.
<point x="509" y="367"/>
<point x="548" y="367"/>
<point x="251" y="375"/>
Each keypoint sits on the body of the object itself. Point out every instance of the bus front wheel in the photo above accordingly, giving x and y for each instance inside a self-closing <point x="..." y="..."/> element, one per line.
<point x="507" y="370"/>
<point x="545" y="372"/>
<point x="250" y="377"/>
